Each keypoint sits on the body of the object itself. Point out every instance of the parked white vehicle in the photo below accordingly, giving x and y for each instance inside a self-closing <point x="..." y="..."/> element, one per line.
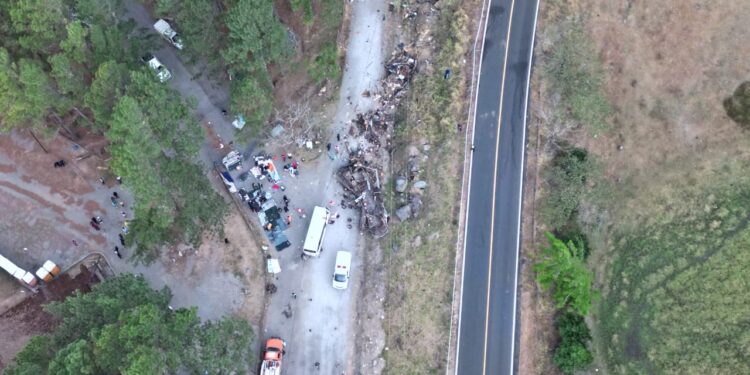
<point x="161" y="71"/>
<point x="165" y="30"/>
<point x="341" y="270"/>
<point x="315" y="232"/>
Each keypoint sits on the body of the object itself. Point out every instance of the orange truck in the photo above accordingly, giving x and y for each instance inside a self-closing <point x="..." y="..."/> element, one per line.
<point x="272" y="356"/>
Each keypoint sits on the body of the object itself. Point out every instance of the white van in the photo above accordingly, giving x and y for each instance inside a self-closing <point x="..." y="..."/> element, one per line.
<point x="341" y="270"/>
<point x="316" y="231"/>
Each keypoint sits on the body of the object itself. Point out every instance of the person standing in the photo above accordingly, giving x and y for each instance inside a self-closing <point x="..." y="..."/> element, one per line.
<point x="117" y="252"/>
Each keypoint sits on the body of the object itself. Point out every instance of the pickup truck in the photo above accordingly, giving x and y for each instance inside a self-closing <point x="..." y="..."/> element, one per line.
<point x="165" y="30"/>
<point x="161" y="71"/>
<point x="271" y="364"/>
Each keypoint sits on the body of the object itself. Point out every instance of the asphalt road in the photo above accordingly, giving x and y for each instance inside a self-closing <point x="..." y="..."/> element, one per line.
<point x="487" y="320"/>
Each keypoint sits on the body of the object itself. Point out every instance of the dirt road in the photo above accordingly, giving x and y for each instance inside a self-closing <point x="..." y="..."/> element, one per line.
<point x="318" y="323"/>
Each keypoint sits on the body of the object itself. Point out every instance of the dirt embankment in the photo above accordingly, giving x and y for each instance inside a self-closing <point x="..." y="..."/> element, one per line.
<point x="27" y="318"/>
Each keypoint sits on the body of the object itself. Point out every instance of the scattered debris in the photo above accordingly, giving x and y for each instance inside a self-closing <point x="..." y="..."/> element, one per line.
<point x="404" y="213"/>
<point x="271" y="288"/>
<point x="401" y="183"/>
<point x="361" y="177"/>
<point x="399" y="71"/>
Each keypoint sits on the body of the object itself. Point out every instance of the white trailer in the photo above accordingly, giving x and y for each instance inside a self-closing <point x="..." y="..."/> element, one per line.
<point x="165" y="30"/>
<point x="26" y="278"/>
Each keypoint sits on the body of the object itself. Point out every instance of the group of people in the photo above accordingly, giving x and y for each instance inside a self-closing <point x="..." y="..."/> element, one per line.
<point x="95" y="222"/>
<point x="60" y="163"/>
<point x="116" y="201"/>
<point x="286" y="204"/>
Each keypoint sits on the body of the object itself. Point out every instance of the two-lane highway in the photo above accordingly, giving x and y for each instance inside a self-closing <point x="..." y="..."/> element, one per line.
<point x="487" y="317"/>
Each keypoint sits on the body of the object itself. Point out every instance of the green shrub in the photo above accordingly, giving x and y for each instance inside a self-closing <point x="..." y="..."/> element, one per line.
<point x="572" y="353"/>
<point x="566" y="177"/>
<point x="561" y="266"/>
<point x="738" y="105"/>
<point x="325" y="65"/>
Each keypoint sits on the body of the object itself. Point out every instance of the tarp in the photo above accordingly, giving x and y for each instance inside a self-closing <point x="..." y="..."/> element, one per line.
<point x="273" y="171"/>
<point x="239" y="122"/>
<point x="273" y="266"/>
<point x="227" y="178"/>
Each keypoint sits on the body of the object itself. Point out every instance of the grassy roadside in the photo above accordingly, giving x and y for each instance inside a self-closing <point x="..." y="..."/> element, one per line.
<point x="675" y="301"/>
<point x="420" y="253"/>
<point x="668" y="239"/>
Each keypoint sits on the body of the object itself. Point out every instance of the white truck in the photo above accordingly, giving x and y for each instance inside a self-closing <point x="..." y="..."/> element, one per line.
<point x="161" y="71"/>
<point x="165" y="30"/>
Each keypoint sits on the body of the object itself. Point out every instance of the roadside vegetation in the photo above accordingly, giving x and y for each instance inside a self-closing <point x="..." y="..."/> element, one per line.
<point x="571" y="180"/>
<point x="677" y="300"/>
<point x="665" y="235"/>
<point x="420" y="253"/>
<point x="325" y="66"/>
<point x="576" y="74"/>
<point x="124" y="327"/>
<point x="738" y="105"/>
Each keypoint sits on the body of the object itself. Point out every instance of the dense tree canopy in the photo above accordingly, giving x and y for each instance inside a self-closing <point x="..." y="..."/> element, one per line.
<point x="39" y="24"/>
<point x="198" y="24"/>
<point x="106" y="88"/>
<point x="125" y="327"/>
<point x="254" y="32"/>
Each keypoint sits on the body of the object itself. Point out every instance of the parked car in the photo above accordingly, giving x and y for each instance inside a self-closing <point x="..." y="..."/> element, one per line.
<point x="341" y="270"/>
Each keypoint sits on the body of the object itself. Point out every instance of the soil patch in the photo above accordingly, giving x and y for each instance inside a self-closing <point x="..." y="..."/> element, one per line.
<point x="28" y="317"/>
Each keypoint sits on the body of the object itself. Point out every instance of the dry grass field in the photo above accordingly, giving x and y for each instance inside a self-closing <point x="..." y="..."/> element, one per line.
<point x="675" y="209"/>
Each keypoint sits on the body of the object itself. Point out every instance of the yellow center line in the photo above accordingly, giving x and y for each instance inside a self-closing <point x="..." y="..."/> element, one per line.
<point x="494" y="189"/>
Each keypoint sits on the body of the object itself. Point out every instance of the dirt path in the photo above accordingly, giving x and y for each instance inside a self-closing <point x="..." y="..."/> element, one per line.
<point x="318" y="324"/>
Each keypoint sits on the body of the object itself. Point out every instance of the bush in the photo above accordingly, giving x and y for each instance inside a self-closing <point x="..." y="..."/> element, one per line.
<point x="561" y="266"/>
<point x="738" y="105"/>
<point x="566" y="177"/>
<point x="325" y="65"/>
<point x="572" y="353"/>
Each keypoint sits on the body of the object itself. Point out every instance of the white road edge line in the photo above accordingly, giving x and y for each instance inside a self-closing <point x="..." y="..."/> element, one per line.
<point x="472" y="117"/>
<point x="520" y="196"/>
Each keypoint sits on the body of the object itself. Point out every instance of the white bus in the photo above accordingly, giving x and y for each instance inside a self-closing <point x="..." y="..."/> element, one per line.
<point x="315" y="232"/>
